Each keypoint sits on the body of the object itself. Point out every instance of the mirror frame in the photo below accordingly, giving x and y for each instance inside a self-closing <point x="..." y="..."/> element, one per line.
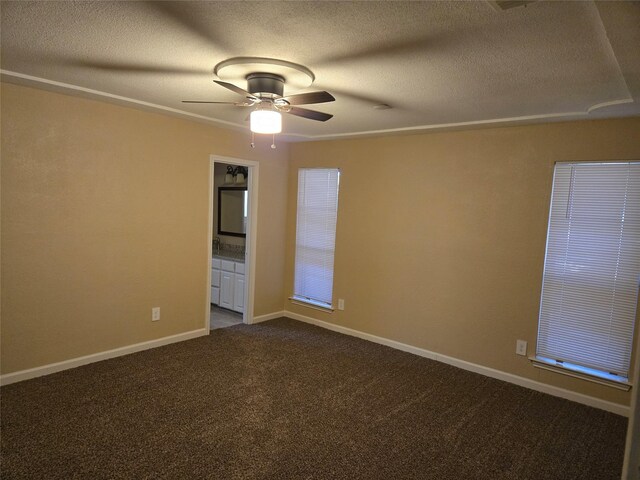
<point x="220" y="231"/>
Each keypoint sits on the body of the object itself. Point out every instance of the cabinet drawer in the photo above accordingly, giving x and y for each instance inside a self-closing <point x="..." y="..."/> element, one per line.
<point x="215" y="263"/>
<point x="240" y="268"/>
<point x="227" y="265"/>
<point x="215" y="277"/>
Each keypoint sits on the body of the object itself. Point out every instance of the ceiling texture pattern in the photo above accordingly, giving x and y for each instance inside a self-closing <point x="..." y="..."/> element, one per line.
<point x="438" y="65"/>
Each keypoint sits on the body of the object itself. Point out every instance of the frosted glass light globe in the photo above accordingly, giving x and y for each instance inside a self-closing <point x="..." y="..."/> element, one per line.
<point x="266" y="121"/>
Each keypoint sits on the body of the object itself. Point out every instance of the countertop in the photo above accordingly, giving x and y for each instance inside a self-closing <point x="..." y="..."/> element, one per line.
<point x="232" y="255"/>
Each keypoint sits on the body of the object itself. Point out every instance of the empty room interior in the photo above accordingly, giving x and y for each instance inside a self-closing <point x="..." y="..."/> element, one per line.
<point x="320" y="240"/>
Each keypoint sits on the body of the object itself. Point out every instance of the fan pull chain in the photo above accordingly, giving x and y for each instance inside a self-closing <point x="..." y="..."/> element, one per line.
<point x="253" y="139"/>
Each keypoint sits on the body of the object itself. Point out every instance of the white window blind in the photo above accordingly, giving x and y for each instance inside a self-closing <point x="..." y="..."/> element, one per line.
<point x="316" y="235"/>
<point x="592" y="267"/>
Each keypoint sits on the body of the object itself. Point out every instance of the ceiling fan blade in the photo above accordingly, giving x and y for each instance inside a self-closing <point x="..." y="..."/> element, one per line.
<point x="131" y="67"/>
<point x="235" y="89"/>
<point x="192" y="21"/>
<point x="310" y="114"/>
<point x="355" y="95"/>
<point x="308" y="98"/>
<point x="202" y="101"/>
<point x="412" y="46"/>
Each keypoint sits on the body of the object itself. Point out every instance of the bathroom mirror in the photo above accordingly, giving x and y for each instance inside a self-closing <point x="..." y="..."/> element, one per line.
<point x="232" y="211"/>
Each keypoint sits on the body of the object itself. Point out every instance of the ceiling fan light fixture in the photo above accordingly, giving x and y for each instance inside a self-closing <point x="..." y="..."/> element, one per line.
<point x="265" y="121"/>
<point x="265" y="94"/>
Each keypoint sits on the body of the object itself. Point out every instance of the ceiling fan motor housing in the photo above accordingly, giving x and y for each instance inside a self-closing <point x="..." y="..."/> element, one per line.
<point x="265" y="83"/>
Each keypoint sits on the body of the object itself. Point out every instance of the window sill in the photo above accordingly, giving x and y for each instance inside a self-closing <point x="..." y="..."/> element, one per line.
<point x="575" y="371"/>
<point x="310" y="304"/>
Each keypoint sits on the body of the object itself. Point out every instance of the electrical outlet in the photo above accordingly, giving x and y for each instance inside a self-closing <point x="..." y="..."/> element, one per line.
<point x="521" y="347"/>
<point x="155" y="314"/>
<point x="341" y="304"/>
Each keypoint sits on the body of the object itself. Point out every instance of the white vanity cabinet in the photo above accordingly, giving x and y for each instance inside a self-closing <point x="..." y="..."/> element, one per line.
<point x="215" y="281"/>
<point x="238" y="288"/>
<point x="227" y="280"/>
<point x="227" y="284"/>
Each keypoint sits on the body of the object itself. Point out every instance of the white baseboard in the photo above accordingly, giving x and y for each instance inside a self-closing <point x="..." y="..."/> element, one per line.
<point x="21" y="375"/>
<point x="616" y="408"/>
<point x="268" y="316"/>
<point x="472" y="367"/>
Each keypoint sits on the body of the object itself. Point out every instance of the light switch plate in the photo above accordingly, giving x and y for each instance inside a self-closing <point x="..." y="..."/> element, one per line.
<point x="521" y="347"/>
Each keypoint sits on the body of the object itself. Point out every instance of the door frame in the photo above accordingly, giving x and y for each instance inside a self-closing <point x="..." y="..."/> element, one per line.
<point x="250" y="240"/>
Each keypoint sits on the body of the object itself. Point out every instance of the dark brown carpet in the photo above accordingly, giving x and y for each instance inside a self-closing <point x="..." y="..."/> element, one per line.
<point x="284" y="400"/>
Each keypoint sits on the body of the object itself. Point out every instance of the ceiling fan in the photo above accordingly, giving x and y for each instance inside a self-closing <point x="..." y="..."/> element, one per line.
<point x="265" y="93"/>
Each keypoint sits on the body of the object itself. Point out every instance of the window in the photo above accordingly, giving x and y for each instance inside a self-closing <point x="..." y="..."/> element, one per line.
<point x="316" y="235"/>
<point x="245" y="211"/>
<point x="591" y="270"/>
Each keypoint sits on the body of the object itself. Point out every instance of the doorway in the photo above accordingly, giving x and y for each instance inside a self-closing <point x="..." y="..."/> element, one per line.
<point x="233" y="192"/>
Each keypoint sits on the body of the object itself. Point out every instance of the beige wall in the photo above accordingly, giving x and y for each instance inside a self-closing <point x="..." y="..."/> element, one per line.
<point x="105" y="215"/>
<point x="441" y="237"/>
<point x="440" y="240"/>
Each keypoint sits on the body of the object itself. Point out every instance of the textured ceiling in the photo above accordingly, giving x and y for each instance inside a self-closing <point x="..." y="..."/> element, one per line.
<point x="437" y="64"/>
